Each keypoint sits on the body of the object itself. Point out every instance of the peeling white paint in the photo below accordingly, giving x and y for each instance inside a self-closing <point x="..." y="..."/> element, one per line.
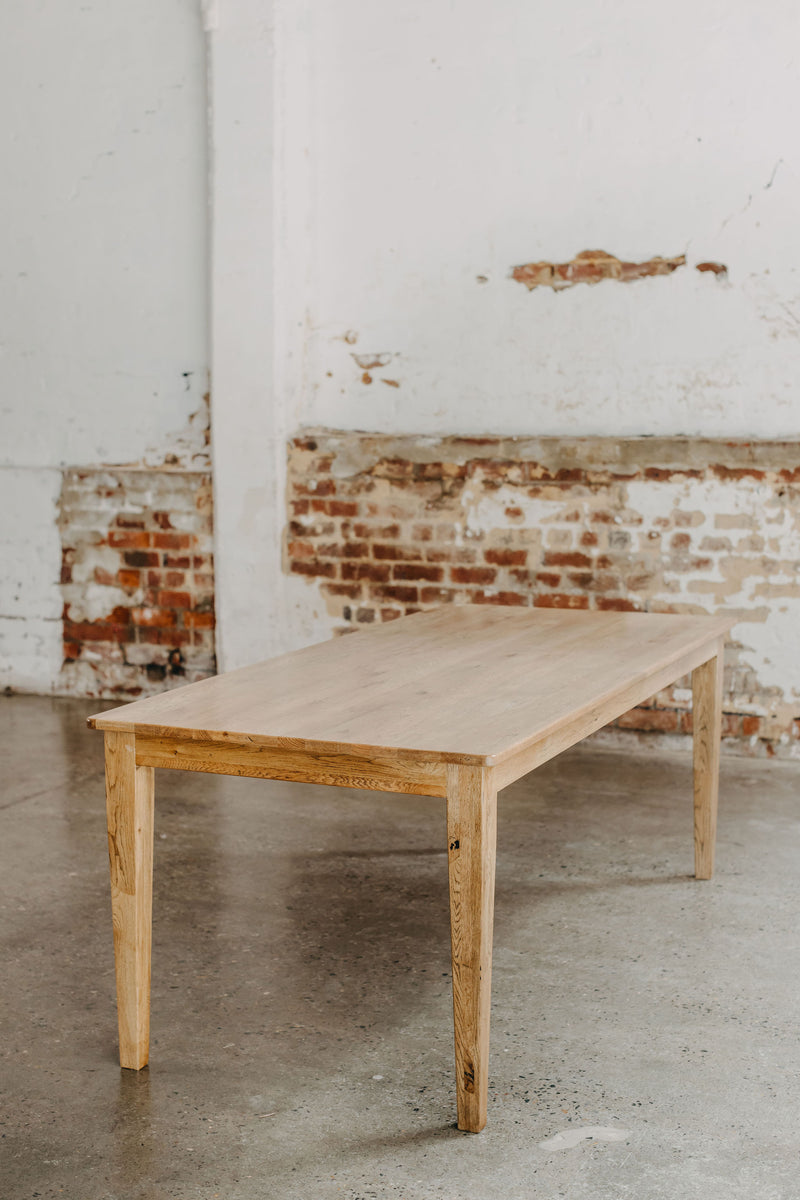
<point x="421" y="188"/>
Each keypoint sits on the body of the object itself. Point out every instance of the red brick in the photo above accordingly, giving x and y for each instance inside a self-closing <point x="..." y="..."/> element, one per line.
<point x="422" y="533"/>
<point x="432" y="595"/>
<point x="299" y="549"/>
<point x="350" y="590"/>
<point x="170" y="599"/>
<point x="162" y="520"/>
<point x="164" y="637"/>
<point x="548" y="578"/>
<point x="376" y="572"/>
<point x="124" y="521"/>
<point x="365" y="615"/>
<point x="341" y="508"/>
<point x="406" y="595"/>
<point x="96" y="631"/>
<point x="67" y="563"/>
<point x="300" y="507"/>
<point x="458" y="554"/>
<point x="479" y="575"/>
<point x="180" y="561"/>
<point x="362" y="530"/>
<point x="198" y="620"/>
<point x="397" y="553"/>
<point x="175" y="579"/>
<point x="510" y="599"/>
<point x="140" y="558"/>
<point x="128" y="540"/>
<point x="313" y="566"/>
<point x="314" y="528"/>
<point x="580" y="579"/>
<point x="322" y="487"/>
<point x="588" y="538"/>
<point x="649" y="720"/>
<point x="390" y="614"/>
<point x="71" y="651"/>
<point x="603" y="518"/>
<point x="418" y="571"/>
<point x="559" y="600"/>
<point x="506" y="558"/>
<point x="616" y="604"/>
<point x="751" y="725"/>
<point x="572" y="558"/>
<point x="152" y="617"/>
<point x="680" y="541"/>
<point x="129" y="579"/>
<point x="172" y="541"/>
<point x="344" y="550"/>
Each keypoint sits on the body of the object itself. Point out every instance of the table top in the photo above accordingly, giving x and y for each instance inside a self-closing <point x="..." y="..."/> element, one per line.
<point x="458" y="684"/>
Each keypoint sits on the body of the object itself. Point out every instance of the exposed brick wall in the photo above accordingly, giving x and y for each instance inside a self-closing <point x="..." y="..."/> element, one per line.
<point x="137" y="580"/>
<point x="384" y="526"/>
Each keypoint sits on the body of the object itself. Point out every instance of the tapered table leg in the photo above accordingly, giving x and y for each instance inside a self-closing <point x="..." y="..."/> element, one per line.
<point x="707" y="725"/>
<point x="129" y="804"/>
<point x="471" y="838"/>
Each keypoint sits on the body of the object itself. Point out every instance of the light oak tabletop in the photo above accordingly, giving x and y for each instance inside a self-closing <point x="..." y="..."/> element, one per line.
<point x="474" y="685"/>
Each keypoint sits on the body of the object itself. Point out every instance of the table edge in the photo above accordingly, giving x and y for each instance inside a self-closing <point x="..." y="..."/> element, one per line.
<point x="694" y="651"/>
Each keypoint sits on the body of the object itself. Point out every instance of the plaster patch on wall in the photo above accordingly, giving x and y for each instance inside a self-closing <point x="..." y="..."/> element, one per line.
<point x="592" y="266"/>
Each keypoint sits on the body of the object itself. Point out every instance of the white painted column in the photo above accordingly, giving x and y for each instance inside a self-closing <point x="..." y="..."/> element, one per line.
<point x="248" y="426"/>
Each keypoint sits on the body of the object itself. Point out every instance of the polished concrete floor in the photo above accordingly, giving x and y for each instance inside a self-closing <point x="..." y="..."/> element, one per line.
<point x="301" y="991"/>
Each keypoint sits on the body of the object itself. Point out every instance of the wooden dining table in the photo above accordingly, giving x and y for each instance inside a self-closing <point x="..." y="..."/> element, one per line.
<point x="458" y="703"/>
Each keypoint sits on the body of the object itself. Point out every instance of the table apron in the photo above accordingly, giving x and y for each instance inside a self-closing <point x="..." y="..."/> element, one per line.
<point x="390" y="772"/>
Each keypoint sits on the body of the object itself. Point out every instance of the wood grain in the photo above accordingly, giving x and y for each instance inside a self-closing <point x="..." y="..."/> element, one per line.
<point x="129" y="808"/>
<point x="382" y="772"/>
<point x="471" y="841"/>
<point x="706" y="723"/>
<point x="587" y="720"/>
<point x="474" y="685"/>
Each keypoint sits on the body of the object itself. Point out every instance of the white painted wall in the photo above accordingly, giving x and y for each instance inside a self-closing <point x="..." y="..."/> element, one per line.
<point x="371" y="161"/>
<point x="415" y="147"/>
<point x="103" y="272"/>
<point x="248" y="428"/>
<point x="450" y="141"/>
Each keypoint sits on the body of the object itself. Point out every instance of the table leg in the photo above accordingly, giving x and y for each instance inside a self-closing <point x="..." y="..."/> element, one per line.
<point x="471" y="839"/>
<point x="707" y="725"/>
<point x="129" y="805"/>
